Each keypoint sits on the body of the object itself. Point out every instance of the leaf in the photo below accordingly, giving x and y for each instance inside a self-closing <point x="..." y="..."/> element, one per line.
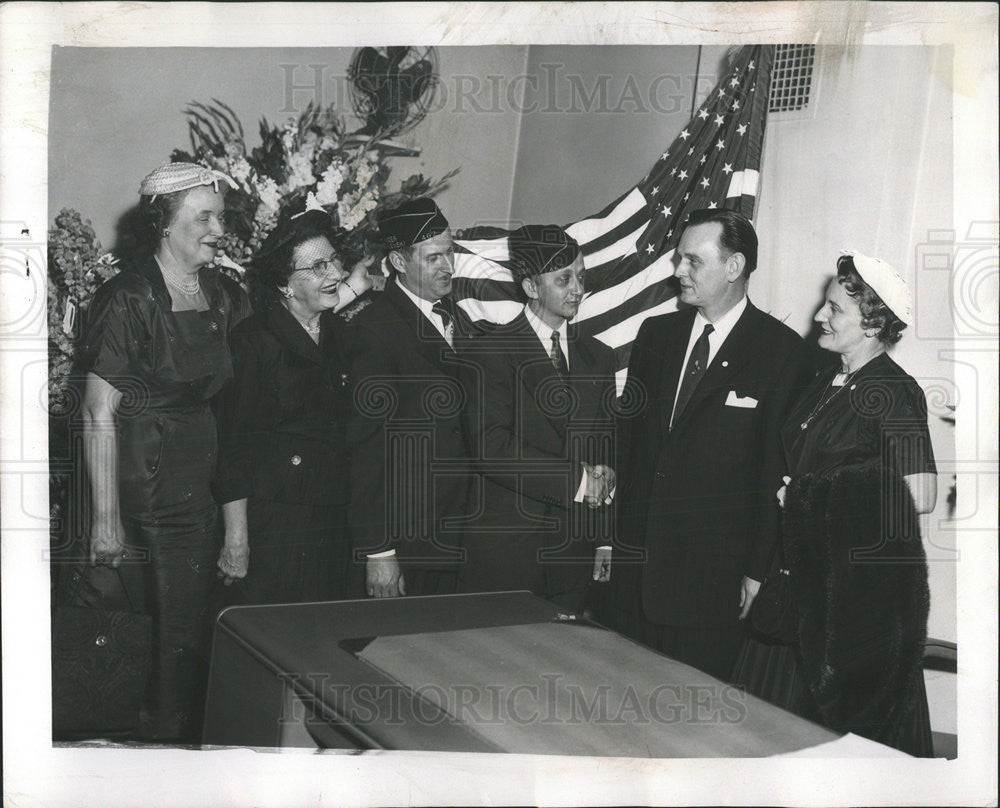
<point x="219" y="121"/>
<point x="211" y="141"/>
<point x="233" y="116"/>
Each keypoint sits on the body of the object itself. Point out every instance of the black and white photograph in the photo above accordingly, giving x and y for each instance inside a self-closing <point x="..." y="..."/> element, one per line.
<point x="472" y="404"/>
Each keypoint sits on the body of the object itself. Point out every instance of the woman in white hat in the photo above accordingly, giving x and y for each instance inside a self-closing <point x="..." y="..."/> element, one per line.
<point x="861" y="467"/>
<point x="154" y="354"/>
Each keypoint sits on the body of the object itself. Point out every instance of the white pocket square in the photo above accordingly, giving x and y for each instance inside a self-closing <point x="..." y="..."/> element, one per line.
<point x="733" y="400"/>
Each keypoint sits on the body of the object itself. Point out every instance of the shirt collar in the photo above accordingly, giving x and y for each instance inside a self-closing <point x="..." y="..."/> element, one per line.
<point x="426" y="306"/>
<point x="724" y="324"/>
<point x="544" y="331"/>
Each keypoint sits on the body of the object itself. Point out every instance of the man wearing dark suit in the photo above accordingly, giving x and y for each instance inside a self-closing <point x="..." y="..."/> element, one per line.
<point x="539" y="420"/>
<point x="409" y="457"/>
<point x="697" y="490"/>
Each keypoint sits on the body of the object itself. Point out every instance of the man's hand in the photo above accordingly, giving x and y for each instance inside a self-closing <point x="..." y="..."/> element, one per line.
<point x="107" y="541"/>
<point x="384" y="578"/>
<point x="600" y="482"/>
<point x="234" y="558"/>
<point x="748" y="591"/>
<point x="607" y="474"/>
<point x="781" y="491"/>
<point x="602" y="565"/>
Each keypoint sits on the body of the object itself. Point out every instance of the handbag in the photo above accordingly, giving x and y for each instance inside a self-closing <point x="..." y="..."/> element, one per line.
<point x="101" y="662"/>
<point x="773" y="612"/>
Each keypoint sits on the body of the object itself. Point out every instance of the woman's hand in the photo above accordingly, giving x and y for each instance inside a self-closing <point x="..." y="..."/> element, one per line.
<point x="107" y="541"/>
<point x="234" y="559"/>
<point x="781" y="491"/>
<point x="359" y="280"/>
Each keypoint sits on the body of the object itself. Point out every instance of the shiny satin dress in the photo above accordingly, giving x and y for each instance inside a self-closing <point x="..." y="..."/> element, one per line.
<point x="167" y="365"/>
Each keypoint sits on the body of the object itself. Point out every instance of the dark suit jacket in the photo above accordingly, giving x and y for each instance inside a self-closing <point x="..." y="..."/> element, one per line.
<point x="530" y="430"/>
<point x="281" y="417"/>
<point x="409" y="458"/>
<point x="700" y="499"/>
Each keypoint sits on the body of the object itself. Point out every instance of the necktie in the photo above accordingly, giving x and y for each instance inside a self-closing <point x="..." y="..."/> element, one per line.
<point x="557" y="355"/>
<point x="697" y="363"/>
<point x="441" y="310"/>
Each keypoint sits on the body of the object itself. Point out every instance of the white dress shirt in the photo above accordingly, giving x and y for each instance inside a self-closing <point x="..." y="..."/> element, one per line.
<point x="426" y="308"/>
<point x="722" y="327"/>
<point x="545" y="333"/>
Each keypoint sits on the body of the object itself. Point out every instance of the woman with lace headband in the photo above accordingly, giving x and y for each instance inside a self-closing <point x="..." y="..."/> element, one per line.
<point x="155" y="352"/>
<point x="861" y="469"/>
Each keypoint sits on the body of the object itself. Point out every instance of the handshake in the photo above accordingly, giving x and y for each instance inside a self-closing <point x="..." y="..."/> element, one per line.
<point x="599" y="485"/>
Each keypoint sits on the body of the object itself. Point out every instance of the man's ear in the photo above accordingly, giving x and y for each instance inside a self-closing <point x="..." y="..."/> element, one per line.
<point x="734" y="266"/>
<point x="528" y="285"/>
<point x="397" y="261"/>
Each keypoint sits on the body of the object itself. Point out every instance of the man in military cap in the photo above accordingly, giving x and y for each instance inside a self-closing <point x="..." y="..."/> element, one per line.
<point x="409" y="466"/>
<point x="540" y="423"/>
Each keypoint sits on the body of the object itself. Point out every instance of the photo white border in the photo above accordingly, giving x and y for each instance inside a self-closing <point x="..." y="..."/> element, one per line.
<point x="37" y="774"/>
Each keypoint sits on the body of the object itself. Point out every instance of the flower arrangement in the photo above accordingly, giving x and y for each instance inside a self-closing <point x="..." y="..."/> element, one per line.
<point x="310" y="161"/>
<point x="77" y="266"/>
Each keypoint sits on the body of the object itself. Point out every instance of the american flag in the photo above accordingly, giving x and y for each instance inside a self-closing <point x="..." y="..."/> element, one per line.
<point x="628" y="246"/>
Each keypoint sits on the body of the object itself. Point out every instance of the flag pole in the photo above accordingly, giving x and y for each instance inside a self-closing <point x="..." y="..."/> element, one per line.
<point x="694" y="88"/>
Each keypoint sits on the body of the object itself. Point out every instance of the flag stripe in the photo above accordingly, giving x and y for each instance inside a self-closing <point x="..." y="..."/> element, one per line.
<point x="647" y="298"/>
<point x="587" y="230"/>
<point x="623" y="334"/>
<point x="600" y="302"/>
<point x="628" y="246"/>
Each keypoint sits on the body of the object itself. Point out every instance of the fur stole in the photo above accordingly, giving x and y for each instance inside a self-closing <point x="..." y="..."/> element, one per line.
<point x="859" y="579"/>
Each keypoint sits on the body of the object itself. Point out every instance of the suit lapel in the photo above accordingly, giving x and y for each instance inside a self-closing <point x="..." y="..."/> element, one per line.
<point x="537" y="374"/>
<point x="291" y="335"/>
<point x="675" y="340"/>
<point x="583" y="375"/>
<point x="427" y="339"/>
<point x="732" y="356"/>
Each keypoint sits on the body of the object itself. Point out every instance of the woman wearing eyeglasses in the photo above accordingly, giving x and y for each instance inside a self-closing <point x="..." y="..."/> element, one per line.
<point x="282" y="478"/>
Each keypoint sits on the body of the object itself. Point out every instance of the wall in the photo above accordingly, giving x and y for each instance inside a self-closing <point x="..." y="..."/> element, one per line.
<point x="595" y="121"/>
<point x="116" y="113"/>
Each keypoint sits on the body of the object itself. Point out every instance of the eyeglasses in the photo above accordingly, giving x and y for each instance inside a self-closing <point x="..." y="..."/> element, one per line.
<point x="323" y="269"/>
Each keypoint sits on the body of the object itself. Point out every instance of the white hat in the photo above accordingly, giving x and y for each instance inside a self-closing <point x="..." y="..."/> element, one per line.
<point x="173" y="177"/>
<point x="886" y="283"/>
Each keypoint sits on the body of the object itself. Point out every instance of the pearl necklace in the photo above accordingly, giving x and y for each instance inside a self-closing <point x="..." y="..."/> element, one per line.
<point x="186" y="284"/>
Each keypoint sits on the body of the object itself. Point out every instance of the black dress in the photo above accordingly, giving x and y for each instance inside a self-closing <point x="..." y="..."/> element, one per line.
<point x="282" y="448"/>
<point x="167" y="365"/>
<point x="881" y="413"/>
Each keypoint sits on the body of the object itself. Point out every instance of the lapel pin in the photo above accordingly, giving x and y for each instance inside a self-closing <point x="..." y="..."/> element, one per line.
<point x="725" y="363"/>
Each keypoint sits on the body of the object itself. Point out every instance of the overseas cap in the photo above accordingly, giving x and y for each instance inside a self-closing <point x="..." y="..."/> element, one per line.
<point x="539" y="248"/>
<point x="414" y="221"/>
